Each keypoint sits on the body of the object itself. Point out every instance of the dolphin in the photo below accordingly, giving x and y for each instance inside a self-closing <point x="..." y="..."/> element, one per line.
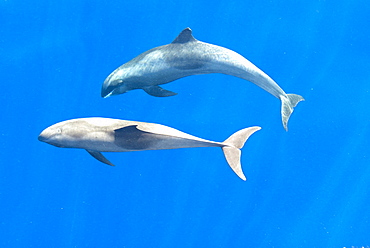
<point x="186" y="56"/>
<point x="97" y="135"/>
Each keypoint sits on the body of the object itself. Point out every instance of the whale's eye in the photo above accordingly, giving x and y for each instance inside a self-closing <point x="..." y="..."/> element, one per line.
<point x="59" y="130"/>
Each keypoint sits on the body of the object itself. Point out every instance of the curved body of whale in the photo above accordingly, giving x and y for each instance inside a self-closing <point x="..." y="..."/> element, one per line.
<point x="186" y="56"/>
<point x="97" y="135"/>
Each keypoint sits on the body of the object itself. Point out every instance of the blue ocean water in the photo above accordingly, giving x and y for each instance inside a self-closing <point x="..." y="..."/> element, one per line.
<point x="308" y="187"/>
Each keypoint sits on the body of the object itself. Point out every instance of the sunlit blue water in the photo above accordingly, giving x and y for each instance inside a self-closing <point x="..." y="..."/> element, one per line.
<point x="308" y="187"/>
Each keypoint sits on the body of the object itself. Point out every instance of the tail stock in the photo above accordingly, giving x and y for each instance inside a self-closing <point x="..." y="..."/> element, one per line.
<point x="232" y="148"/>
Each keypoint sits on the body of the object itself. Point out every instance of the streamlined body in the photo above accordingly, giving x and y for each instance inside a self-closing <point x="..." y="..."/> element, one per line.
<point x="186" y="56"/>
<point x="97" y="135"/>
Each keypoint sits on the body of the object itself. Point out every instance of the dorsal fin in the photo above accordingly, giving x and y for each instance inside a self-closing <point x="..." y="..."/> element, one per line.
<point x="184" y="37"/>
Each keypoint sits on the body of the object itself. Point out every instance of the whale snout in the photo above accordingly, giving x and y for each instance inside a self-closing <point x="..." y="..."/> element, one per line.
<point x="113" y="87"/>
<point x="51" y="136"/>
<point x="107" y="91"/>
<point x="42" y="138"/>
<point x="107" y="87"/>
<point x="47" y="134"/>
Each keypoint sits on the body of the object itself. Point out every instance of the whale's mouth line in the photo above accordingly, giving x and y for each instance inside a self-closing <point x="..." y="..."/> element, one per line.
<point x="42" y="138"/>
<point x="108" y="95"/>
<point x="110" y="88"/>
<point x="48" y="141"/>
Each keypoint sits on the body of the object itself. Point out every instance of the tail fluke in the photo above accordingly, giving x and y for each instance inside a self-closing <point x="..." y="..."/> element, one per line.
<point x="287" y="106"/>
<point x="232" y="149"/>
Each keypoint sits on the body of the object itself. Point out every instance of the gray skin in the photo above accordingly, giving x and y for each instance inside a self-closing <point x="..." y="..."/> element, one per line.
<point x="186" y="56"/>
<point x="97" y="135"/>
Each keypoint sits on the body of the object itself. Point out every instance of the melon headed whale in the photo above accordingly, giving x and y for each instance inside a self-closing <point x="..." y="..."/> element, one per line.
<point x="97" y="135"/>
<point x="187" y="56"/>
